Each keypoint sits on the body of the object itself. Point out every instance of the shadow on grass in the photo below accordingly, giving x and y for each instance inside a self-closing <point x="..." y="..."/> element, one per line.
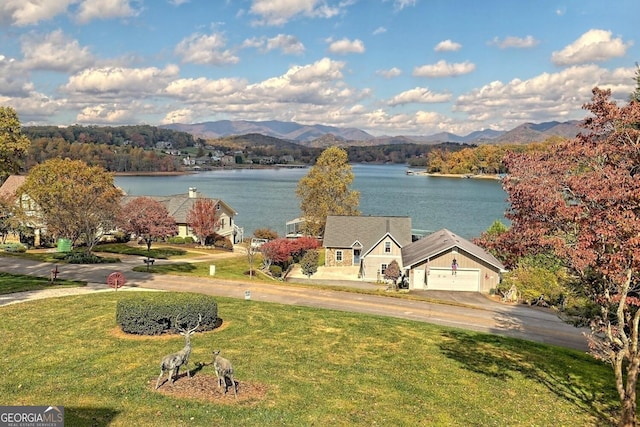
<point x="86" y="416"/>
<point x="568" y="374"/>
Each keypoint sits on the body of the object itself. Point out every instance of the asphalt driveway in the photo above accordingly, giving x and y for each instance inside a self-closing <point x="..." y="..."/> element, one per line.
<point x="466" y="310"/>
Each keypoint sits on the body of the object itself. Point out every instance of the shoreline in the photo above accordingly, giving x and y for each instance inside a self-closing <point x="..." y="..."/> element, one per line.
<point x="495" y="177"/>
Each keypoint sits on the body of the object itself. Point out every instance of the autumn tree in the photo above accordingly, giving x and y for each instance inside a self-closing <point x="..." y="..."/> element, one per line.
<point x="392" y="272"/>
<point x="309" y="263"/>
<point x="265" y="233"/>
<point x="581" y="200"/>
<point x="148" y="219"/>
<point x="325" y="190"/>
<point x="14" y="146"/>
<point x="635" y="95"/>
<point x="73" y="200"/>
<point x="203" y="219"/>
<point x="7" y="217"/>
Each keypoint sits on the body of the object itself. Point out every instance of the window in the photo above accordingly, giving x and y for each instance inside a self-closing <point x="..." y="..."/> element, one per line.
<point x="387" y="247"/>
<point x="221" y="223"/>
<point x="383" y="268"/>
<point x="338" y="255"/>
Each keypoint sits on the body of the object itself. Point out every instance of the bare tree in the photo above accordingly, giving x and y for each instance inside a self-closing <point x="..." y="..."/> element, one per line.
<point x="172" y="362"/>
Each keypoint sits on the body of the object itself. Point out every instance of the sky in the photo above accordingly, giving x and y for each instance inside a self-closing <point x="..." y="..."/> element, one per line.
<point x="388" y="67"/>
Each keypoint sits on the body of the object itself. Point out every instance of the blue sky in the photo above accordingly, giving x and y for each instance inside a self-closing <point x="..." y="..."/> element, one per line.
<point x="389" y="67"/>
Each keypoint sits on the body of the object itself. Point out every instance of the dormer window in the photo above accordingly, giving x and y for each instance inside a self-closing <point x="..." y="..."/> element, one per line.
<point x="387" y="247"/>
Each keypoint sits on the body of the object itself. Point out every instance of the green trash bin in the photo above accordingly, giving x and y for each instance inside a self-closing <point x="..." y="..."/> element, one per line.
<point x="64" y="245"/>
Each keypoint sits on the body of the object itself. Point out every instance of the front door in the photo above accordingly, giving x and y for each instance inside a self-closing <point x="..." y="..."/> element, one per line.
<point x="418" y="279"/>
<point x="356" y="257"/>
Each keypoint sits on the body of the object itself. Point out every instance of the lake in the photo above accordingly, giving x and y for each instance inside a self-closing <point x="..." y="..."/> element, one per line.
<point x="265" y="198"/>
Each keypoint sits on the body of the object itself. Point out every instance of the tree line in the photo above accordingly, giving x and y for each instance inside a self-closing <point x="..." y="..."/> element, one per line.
<point x="143" y="136"/>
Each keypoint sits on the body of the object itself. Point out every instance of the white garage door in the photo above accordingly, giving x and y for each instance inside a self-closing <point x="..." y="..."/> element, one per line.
<point x="464" y="280"/>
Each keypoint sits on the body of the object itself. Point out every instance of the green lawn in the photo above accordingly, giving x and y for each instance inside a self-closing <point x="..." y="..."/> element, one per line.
<point x="10" y="283"/>
<point x="318" y="367"/>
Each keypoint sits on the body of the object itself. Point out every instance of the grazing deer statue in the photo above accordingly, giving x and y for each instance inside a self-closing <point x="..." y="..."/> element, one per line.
<point x="224" y="371"/>
<point x="172" y="362"/>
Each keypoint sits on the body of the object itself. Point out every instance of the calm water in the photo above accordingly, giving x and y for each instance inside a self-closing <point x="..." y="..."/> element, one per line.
<point x="266" y="197"/>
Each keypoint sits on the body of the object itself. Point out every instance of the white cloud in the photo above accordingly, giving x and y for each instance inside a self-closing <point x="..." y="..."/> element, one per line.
<point x="418" y="95"/>
<point x="27" y="12"/>
<point x="202" y="88"/>
<point x="104" y="9"/>
<point x="390" y="73"/>
<point x="105" y="114"/>
<point x="444" y="69"/>
<point x="288" y="44"/>
<point x="183" y="115"/>
<point x="33" y="107"/>
<point x="515" y="42"/>
<point x="447" y="46"/>
<point x="13" y="82"/>
<point x="280" y="12"/>
<point x="178" y="2"/>
<point x="346" y="46"/>
<point x="593" y="46"/>
<point x="54" y="51"/>
<point x="205" y="49"/>
<point x="548" y="96"/>
<point x="401" y="4"/>
<point x="379" y="30"/>
<point x="120" y="82"/>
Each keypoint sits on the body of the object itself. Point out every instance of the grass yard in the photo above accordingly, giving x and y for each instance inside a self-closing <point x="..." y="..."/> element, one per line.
<point x="10" y="283"/>
<point x="315" y="367"/>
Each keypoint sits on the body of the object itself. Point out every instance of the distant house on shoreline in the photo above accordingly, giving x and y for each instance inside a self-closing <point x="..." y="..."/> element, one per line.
<point x="179" y="206"/>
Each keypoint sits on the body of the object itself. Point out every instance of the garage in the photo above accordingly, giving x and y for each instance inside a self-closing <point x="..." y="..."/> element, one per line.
<point x="442" y="279"/>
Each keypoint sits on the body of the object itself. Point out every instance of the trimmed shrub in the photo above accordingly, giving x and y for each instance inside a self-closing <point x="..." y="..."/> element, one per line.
<point x="189" y="240"/>
<point x="223" y="243"/>
<point x="82" y="257"/>
<point x="156" y="313"/>
<point x="176" y="240"/>
<point x="275" y="270"/>
<point x="14" y="247"/>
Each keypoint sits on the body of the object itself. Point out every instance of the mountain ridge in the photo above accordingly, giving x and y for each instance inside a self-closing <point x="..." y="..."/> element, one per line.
<point x="317" y="135"/>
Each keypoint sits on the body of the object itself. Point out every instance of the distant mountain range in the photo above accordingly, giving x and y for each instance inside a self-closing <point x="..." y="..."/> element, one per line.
<point x="322" y="136"/>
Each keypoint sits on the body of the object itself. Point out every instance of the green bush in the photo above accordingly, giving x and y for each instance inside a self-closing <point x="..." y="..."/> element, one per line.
<point x="82" y="257"/>
<point x="275" y="270"/>
<point x="176" y="240"/>
<point x="156" y="313"/>
<point x="223" y="243"/>
<point x="189" y="240"/>
<point x="14" y="247"/>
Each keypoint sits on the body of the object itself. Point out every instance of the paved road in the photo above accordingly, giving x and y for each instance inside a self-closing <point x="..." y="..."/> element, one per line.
<point x="470" y="311"/>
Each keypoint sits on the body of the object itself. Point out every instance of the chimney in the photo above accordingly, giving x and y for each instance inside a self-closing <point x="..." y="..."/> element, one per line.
<point x="193" y="192"/>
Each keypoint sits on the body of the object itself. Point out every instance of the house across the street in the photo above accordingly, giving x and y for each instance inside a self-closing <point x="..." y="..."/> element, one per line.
<point x="369" y="243"/>
<point x="446" y="261"/>
<point x="179" y="206"/>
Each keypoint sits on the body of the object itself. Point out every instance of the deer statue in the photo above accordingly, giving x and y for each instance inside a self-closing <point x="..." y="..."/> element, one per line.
<point x="224" y="371"/>
<point x="172" y="362"/>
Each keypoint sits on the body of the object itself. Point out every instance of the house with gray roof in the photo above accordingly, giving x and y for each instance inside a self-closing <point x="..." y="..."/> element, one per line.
<point x="369" y="243"/>
<point x="446" y="261"/>
<point x="179" y="206"/>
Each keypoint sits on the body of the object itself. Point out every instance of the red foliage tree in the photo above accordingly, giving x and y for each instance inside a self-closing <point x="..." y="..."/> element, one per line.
<point x="203" y="219"/>
<point x="147" y="218"/>
<point x="582" y="200"/>
<point x="282" y="249"/>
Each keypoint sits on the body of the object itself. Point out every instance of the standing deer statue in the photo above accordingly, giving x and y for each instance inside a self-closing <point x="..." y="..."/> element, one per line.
<point x="172" y="362"/>
<point x="224" y="371"/>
